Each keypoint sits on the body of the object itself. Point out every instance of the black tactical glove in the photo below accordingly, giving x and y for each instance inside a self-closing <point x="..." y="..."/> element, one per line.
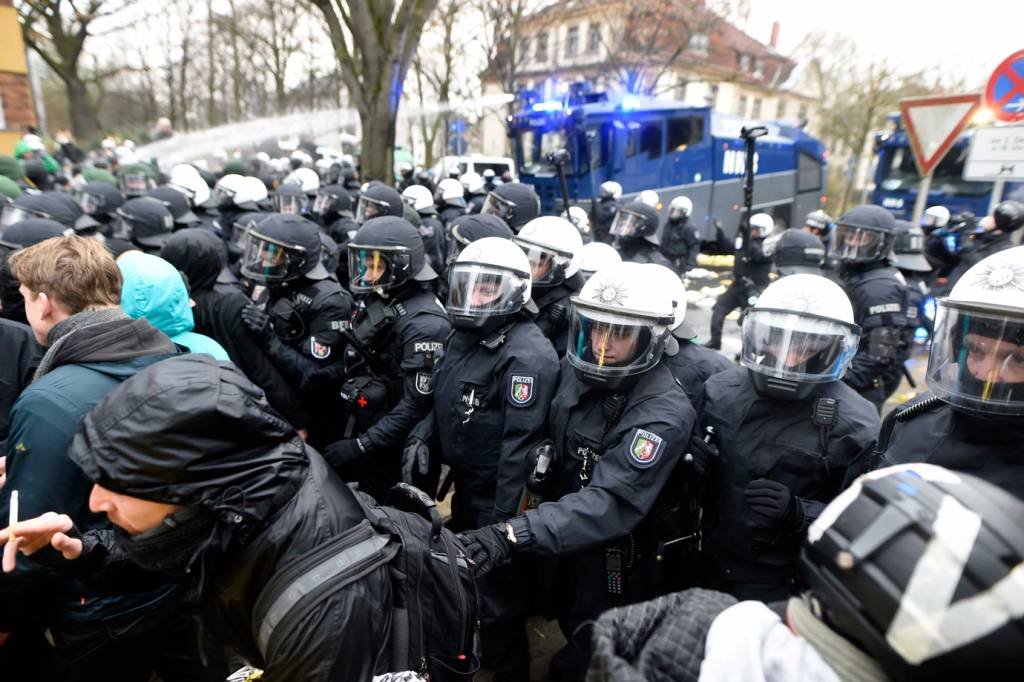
<point x="415" y="459"/>
<point x="258" y="322"/>
<point x="772" y="506"/>
<point x="487" y="548"/>
<point x="344" y="453"/>
<point x="700" y="453"/>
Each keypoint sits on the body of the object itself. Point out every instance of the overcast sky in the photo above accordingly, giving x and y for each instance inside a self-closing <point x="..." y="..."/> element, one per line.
<point x="966" y="39"/>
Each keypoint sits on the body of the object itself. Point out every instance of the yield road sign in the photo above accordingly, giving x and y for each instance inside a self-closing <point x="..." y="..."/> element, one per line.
<point x="933" y="124"/>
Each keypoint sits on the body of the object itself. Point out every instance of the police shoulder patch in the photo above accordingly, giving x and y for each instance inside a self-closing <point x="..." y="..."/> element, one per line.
<point x="320" y="351"/>
<point x="424" y="383"/>
<point x="644" y="448"/>
<point x="521" y="390"/>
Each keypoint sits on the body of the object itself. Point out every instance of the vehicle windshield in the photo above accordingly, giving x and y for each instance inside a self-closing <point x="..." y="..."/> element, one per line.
<point x="900" y="173"/>
<point x="535" y="146"/>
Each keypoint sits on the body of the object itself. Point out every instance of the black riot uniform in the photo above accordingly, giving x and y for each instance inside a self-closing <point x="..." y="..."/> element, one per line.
<point x="602" y="213"/>
<point x="306" y="312"/>
<point x="750" y="275"/>
<point x="764" y="437"/>
<point x="634" y="232"/>
<point x="1007" y="218"/>
<point x="864" y="239"/>
<point x="552" y="316"/>
<point x="514" y="202"/>
<point x="693" y="364"/>
<point x="680" y="243"/>
<point x="398" y="333"/>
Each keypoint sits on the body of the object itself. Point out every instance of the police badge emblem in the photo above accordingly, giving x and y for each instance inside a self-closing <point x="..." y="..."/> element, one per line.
<point x="319" y="350"/>
<point x="424" y="383"/>
<point x="644" y="448"/>
<point x="522" y="390"/>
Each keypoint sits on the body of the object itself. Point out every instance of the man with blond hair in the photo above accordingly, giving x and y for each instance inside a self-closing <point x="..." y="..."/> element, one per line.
<point x="124" y="631"/>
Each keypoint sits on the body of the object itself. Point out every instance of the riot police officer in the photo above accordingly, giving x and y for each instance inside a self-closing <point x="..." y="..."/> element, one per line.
<point x="789" y="435"/>
<point x="864" y="238"/>
<point x="596" y="256"/>
<point x="693" y="363"/>
<point x="634" y="233"/>
<point x="332" y="210"/>
<point x="465" y="230"/>
<point x="750" y="276"/>
<point x="619" y="423"/>
<point x="145" y="224"/>
<point x="378" y="200"/>
<point x="551" y="245"/>
<point x="909" y="259"/>
<point x="492" y="392"/>
<point x="99" y="202"/>
<point x="514" y="202"/>
<point x="290" y="199"/>
<point x="451" y="200"/>
<point x="973" y="418"/>
<point x="398" y="333"/>
<point x="306" y="312"/>
<point x="992" y="234"/>
<point x="680" y="241"/>
<point x="177" y="204"/>
<point x="431" y="228"/>
<point x="819" y="224"/>
<point x="604" y="209"/>
<point x="476" y="194"/>
<point x="796" y="252"/>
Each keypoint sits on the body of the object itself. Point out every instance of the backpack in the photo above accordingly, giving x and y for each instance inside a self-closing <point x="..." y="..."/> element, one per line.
<point x="434" y="600"/>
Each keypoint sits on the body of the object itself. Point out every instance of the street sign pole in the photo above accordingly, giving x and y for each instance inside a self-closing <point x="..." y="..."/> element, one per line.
<point x="997" y="195"/>
<point x="922" y="197"/>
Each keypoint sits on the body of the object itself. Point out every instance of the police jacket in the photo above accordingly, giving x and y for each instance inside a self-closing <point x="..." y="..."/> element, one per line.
<point x="764" y="437"/>
<point x="758" y="268"/>
<point x="615" y="455"/>
<point x="603" y="213"/>
<point x="308" y="319"/>
<point x="980" y="249"/>
<point x="435" y="244"/>
<point x="641" y="250"/>
<point x="406" y="334"/>
<point x="449" y="213"/>
<point x="273" y="499"/>
<point x="491" y="401"/>
<point x="879" y="297"/>
<point x="929" y="430"/>
<point x="553" y="308"/>
<point x="679" y="239"/>
<point x="692" y="366"/>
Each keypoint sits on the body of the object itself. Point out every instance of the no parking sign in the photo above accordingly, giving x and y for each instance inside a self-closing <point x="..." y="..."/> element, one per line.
<point x="1004" y="93"/>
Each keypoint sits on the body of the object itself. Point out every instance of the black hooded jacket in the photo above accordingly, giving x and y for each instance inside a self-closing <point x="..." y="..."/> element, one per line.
<point x="193" y="432"/>
<point x="199" y="254"/>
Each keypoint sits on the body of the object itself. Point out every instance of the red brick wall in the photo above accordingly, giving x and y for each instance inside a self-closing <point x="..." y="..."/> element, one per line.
<point x="17" y="99"/>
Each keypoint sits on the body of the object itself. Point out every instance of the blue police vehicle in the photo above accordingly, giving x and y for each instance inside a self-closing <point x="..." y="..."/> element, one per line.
<point x="670" y="147"/>
<point x="896" y="178"/>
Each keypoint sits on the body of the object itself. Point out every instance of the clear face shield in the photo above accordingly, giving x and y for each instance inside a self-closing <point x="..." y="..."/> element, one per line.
<point x="859" y="244"/>
<point x="370" y="208"/>
<point x="495" y="205"/>
<point x="324" y="203"/>
<point x="911" y="241"/>
<point x="135" y="183"/>
<point x="13" y="214"/>
<point x="977" y="359"/>
<point x="677" y="214"/>
<point x="608" y="344"/>
<point x="626" y="223"/>
<point x="290" y="204"/>
<point x="476" y="290"/>
<point x="371" y="268"/>
<point x="91" y="204"/>
<point x="797" y="346"/>
<point x="546" y="267"/>
<point x="266" y="260"/>
<point x="223" y="196"/>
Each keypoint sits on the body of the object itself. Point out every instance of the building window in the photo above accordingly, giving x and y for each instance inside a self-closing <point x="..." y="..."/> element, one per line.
<point x="745" y="62"/>
<point x="781" y="111"/>
<point x="741" y="106"/>
<point x="594" y="39"/>
<point x="755" y="111"/>
<point x="542" y="47"/>
<point x="758" y="68"/>
<point x="699" y="43"/>
<point x="572" y="41"/>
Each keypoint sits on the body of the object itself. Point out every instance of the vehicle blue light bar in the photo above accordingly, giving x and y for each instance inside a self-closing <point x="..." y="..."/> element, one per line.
<point x="550" y="105"/>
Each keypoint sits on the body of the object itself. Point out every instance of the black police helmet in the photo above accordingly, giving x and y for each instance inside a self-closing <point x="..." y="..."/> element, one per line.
<point x="176" y="203"/>
<point x="796" y="251"/>
<point x="342" y="199"/>
<point x="391" y="232"/>
<point x="107" y="197"/>
<point x="1009" y="216"/>
<point x="918" y="566"/>
<point x="61" y="207"/>
<point x="35" y="171"/>
<point x="147" y="222"/>
<point x="293" y="243"/>
<point x="386" y="198"/>
<point x="520" y="203"/>
<point x="468" y="228"/>
<point x="649" y="214"/>
<point x="29" y="232"/>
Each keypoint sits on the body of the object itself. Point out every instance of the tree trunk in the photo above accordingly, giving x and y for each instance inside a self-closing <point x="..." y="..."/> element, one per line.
<point x="378" y="142"/>
<point x="84" y="125"/>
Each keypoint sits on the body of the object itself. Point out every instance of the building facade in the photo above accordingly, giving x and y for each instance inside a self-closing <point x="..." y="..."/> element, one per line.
<point x="16" y="110"/>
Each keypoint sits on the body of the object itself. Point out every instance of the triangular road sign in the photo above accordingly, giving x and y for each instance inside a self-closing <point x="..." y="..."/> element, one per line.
<point x="933" y="124"/>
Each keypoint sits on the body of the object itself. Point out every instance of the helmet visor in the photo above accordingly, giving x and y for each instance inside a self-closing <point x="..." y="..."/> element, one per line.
<point x="223" y="196"/>
<point x="135" y="183"/>
<point x="91" y="204"/>
<point x="266" y="260"/>
<point x="546" y="267"/>
<point x="797" y="346"/>
<point x="607" y="344"/>
<point x="495" y="205"/>
<point x="12" y="214"/>
<point x="478" y="290"/>
<point x="676" y="213"/>
<point x="370" y="208"/>
<point x="324" y="203"/>
<point x="860" y="243"/>
<point x="909" y="241"/>
<point x="977" y="359"/>
<point x="371" y="268"/>
<point x="290" y="204"/>
<point x="626" y="223"/>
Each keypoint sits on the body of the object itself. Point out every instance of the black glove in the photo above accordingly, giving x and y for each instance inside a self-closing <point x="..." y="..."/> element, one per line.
<point x="487" y="548"/>
<point x="700" y="453"/>
<point x="343" y="453"/>
<point x="415" y="458"/>
<point x="772" y="506"/>
<point x="258" y="322"/>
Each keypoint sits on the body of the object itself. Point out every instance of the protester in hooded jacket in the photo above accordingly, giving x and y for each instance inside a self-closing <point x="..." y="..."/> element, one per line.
<point x="155" y="290"/>
<point x="137" y="626"/>
<point x="203" y="480"/>
<point x="201" y="256"/>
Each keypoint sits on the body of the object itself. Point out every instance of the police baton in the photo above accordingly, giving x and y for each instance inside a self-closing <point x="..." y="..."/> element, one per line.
<point x="749" y="135"/>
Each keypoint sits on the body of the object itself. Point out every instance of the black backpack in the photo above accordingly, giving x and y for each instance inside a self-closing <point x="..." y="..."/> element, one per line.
<point x="434" y="600"/>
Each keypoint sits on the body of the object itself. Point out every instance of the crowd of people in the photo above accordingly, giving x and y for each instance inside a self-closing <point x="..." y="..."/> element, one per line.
<point x="232" y="401"/>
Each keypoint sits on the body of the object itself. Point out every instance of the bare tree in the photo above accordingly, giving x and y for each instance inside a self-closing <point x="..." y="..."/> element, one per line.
<point x="374" y="42"/>
<point x="57" y="30"/>
<point x="504" y="42"/>
<point x="434" y="68"/>
<point x="271" y="29"/>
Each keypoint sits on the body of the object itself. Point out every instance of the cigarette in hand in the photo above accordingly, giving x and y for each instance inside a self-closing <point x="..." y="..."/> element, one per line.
<point x="12" y="521"/>
<point x="10" y="554"/>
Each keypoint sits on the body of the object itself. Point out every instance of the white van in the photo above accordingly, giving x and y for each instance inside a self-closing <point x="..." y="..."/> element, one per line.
<point x="477" y="163"/>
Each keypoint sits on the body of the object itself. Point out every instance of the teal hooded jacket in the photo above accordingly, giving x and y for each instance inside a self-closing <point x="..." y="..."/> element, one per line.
<point x="155" y="290"/>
